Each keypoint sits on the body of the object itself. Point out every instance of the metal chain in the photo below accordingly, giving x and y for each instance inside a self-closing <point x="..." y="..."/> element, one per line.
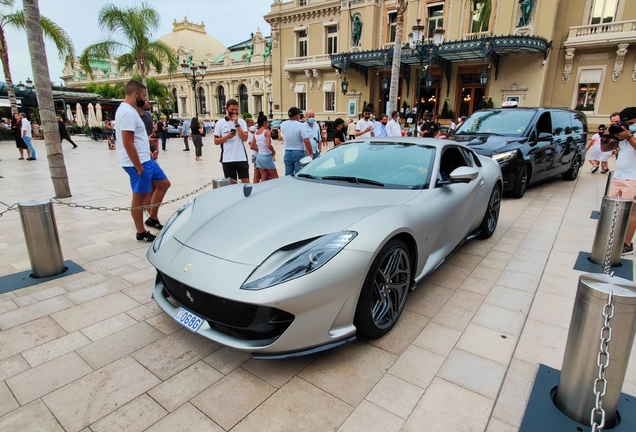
<point x="102" y="208"/>
<point x="9" y="208"/>
<point x="610" y="241"/>
<point x="602" y="361"/>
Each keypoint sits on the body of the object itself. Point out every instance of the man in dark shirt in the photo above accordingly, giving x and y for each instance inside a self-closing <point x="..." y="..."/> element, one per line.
<point x="338" y="135"/>
<point x="430" y="128"/>
<point x="162" y="131"/>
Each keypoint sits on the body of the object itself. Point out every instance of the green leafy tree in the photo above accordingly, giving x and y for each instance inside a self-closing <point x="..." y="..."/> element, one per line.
<point x="107" y="90"/>
<point x="156" y="90"/>
<point x="14" y="18"/>
<point x="136" y="25"/>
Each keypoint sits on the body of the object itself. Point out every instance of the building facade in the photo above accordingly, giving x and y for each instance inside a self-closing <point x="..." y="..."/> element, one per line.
<point x="333" y="56"/>
<point x="242" y="72"/>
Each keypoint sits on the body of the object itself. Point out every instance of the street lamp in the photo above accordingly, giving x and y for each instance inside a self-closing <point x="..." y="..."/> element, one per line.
<point x="29" y="86"/>
<point x="483" y="78"/>
<point x="190" y="72"/>
<point x="418" y="35"/>
<point x="270" y="99"/>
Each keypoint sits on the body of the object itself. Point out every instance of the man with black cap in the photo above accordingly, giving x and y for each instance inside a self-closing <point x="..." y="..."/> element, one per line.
<point x="297" y="144"/>
<point x="624" y="180"/>
<point x="430" y="128"/>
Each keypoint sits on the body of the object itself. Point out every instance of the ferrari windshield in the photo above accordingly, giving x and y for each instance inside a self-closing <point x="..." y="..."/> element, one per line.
<point x="496" y="122"/>
<point x="374" y="164"/>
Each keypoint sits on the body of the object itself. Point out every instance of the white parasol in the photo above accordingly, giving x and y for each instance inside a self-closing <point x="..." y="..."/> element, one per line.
<point x="98" y="113"/>
<point x="69" y="113"/>
<point x="79" y="113"/>
<point x="92" y="121"/>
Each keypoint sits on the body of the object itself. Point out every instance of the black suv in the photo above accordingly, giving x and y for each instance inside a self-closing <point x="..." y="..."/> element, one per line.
<point x="530" y="144"/>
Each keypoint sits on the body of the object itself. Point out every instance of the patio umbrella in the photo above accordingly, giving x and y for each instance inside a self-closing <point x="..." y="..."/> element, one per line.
<point x="92" y="121"/>
<point x="69" y="113"/>
<point x="98" y="113"/>
<point x="79" y="113"/>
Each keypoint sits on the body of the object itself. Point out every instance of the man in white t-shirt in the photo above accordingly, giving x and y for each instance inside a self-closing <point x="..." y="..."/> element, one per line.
<point x="297" y="144"/>
<point x="365" y="126"/>
<point x="231" y="133"/>
<point x="134" y="153"/>
<point x="26" y="135"/>
<point x="624" y="180"/>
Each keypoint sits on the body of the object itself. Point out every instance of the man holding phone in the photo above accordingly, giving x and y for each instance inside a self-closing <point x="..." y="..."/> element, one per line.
<point x="231" y="133"/>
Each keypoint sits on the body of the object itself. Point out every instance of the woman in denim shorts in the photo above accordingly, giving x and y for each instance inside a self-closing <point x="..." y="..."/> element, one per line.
<point x="262" y="142"/>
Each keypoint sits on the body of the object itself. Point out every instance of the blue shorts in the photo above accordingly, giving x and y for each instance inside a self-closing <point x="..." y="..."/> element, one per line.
<point x="142" y="184"/>
<point x="265" y="162"/>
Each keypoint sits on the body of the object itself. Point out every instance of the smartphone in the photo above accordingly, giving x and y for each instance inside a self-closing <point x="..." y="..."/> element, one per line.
<point x="233" y="130"/>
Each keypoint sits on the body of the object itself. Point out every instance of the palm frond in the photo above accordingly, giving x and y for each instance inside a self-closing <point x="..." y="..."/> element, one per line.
<point x="161" y="54"/>
<point x="60" y="38"/>
<point x="98" y="51"/>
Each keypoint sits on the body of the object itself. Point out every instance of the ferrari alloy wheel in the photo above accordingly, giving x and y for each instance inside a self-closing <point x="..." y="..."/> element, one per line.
<point x="573" y="172"/>
<point x="384" y="292"/>
<point x="489" y="222"/>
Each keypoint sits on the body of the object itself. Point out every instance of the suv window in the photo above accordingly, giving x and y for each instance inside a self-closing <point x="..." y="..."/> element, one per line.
<point x="497" y="122"/>
<point x="544" y="124"/>
<point x="561" y="124"/>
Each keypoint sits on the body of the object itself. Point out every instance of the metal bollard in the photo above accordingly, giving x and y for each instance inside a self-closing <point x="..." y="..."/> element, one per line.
<point x="575" y="395"/>
<point x="217" y="183"/>
<point x="610" y="176"/>
<point x="612" y="207"/>
<point x="42" y="238"/>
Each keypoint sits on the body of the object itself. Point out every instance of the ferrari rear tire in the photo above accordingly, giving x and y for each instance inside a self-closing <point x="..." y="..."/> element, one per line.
<point x="384" y="292"/>
<point x="489" y="222"/>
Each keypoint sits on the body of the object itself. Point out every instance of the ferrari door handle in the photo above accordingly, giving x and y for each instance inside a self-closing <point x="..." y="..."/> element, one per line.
<point x="482" y="183"/>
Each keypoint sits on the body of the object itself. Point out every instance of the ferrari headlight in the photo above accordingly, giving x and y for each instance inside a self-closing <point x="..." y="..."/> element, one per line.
<point x="306" y="260"/>
<point x="183" y="214"/>
<point x="505" y="156"/>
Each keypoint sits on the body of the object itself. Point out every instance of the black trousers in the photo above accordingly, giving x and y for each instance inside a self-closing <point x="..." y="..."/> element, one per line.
<point x="198" y="143"/>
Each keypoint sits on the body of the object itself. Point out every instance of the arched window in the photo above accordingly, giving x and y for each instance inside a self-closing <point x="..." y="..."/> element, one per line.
<point x="243" y="103"/>
<point x="221" y="98"/>
<point x="202" y="105"/>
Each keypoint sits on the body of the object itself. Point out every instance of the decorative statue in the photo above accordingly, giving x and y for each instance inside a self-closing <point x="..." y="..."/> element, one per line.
<point x="189" y="59"/>
<point x="356" y="28"/>
<point x="250" y="53"/>
<point x="268" y="49"/>
<point x="525" y="6"/>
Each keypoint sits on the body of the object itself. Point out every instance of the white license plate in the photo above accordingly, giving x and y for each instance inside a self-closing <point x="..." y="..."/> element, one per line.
<point x="189" y="320"/>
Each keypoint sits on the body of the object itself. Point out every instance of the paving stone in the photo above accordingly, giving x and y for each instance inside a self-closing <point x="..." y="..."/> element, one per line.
<point x="99" y="393"/>
<point x="47" y="377"/>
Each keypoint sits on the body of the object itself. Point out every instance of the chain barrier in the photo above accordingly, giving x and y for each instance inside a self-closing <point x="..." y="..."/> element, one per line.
<point x="602" y="361"/>
<point x="116" y="209"/>
<point x="8" y="208"/>
<point x="610" y="242"/>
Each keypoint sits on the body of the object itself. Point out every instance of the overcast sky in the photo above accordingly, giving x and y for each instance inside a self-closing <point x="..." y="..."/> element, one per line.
<point x="229" y="21"/>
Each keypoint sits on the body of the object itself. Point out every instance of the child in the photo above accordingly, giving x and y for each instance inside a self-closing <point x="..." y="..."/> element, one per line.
<point x="596" y="156"/>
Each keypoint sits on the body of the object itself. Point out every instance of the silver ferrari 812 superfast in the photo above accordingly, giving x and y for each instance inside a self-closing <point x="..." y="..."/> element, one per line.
<point x="307" y="262"/>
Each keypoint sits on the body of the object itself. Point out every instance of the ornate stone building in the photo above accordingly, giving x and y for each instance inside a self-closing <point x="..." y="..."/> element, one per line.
<point x="242" y="72"/>
<point x="333" y="56"/>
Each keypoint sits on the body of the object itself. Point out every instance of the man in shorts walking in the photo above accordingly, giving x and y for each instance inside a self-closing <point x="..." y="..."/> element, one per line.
<point x="134" y="153"/>
<point x="297" y="144"/>
<point x="231" y="133"/>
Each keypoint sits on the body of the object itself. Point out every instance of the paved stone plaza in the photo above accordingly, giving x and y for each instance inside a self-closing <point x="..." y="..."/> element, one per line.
<point x="93" y="352"/>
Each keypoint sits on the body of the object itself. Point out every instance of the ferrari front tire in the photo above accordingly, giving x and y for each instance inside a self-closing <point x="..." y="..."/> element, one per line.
<point x="384" y="292"/>
<point x="489" y="222"/>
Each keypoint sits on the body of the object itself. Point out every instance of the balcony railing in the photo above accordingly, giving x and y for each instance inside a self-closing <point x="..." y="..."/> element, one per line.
<point x="308" y="59"/>
<point x="616" y="31"/>
<point x="478" y="35"/>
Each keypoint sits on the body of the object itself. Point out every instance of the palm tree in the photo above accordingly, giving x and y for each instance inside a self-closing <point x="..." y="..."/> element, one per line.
<point x="15" y="19"/>
<point x="397" y="55"/>
<point x="34" y="30"/>
<point x="484" y="9"/>
<point x="136" y="24"/>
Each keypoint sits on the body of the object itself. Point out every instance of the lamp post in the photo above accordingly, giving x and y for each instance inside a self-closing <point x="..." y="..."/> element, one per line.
<point x="190" y="72"/>
<point x="270" y="100"/>
<point x="418" y="34"/>
<point x="23" y="88"/>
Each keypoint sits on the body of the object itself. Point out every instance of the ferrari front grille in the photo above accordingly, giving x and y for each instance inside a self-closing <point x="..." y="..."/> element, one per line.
<point x="245" y="320"/>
